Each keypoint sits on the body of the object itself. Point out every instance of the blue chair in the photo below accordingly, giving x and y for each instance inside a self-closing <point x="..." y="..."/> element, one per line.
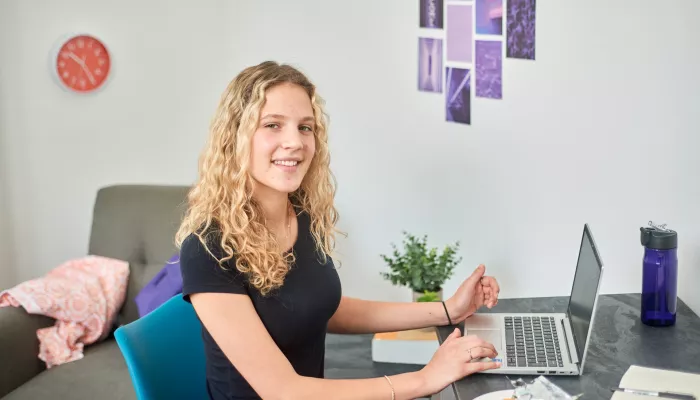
<point x="164" y="352"/>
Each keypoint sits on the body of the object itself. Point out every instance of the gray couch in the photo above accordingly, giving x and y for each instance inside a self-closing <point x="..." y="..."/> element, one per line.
<point x="135" y="223"/>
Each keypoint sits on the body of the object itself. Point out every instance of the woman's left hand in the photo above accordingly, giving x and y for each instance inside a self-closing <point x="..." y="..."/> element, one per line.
<point x="476" y="291"/>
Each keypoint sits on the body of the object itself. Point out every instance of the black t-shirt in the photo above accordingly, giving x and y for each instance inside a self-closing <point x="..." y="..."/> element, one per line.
<point x="295" y="315"/>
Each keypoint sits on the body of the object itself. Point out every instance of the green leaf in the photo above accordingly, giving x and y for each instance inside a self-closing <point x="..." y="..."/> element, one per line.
<point x="418" y="267"/>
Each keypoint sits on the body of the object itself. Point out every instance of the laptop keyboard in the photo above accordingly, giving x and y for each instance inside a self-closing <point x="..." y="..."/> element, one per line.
<point x="532" y="342"/>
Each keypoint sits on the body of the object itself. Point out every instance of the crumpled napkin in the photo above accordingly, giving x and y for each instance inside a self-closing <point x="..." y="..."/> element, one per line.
<point x="540" y="389"/>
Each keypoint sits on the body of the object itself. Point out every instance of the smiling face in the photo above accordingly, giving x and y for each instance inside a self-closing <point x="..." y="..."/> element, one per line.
<point x="284" y="143"/>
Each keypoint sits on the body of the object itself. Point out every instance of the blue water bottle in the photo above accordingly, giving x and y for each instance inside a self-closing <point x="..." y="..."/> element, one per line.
<point x="660" y="275"/>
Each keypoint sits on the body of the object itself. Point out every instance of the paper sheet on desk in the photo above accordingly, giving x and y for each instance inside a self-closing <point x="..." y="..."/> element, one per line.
<point x="657" y="380"/>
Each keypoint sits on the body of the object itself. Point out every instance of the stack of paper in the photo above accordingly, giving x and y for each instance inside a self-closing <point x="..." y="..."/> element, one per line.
<point x="658" y="380"/>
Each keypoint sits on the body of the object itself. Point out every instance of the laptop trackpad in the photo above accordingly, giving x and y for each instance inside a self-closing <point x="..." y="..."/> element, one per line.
<point x="492" y="336"/>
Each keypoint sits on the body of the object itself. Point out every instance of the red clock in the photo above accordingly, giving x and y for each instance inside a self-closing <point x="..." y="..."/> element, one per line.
<point x="82" y="63"/>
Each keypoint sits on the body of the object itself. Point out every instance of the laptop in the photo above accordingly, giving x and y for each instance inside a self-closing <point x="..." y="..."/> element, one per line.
<point x="547" y="343"/>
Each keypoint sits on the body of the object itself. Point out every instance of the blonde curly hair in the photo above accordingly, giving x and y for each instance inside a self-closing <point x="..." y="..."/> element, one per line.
<point x="222" y="197"/>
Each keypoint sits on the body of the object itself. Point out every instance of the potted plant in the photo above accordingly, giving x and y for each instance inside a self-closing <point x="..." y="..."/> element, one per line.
<point x="421" y="269"/>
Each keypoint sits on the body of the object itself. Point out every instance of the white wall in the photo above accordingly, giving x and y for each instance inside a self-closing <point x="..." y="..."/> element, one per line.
<point x="7" y="263"/>
<point x="599" y="129"/>
<point x="145" y="126"/>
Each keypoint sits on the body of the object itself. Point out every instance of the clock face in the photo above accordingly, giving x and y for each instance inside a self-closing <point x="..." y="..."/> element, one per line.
<point x="82" y="63"/>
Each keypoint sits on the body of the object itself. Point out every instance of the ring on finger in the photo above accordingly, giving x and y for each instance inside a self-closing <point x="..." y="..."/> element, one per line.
<point x="470" y="354"/>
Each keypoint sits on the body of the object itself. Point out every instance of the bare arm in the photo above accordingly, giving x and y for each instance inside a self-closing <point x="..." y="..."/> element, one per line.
<point x="364" y="316"/>
<point x="237" y="329"/>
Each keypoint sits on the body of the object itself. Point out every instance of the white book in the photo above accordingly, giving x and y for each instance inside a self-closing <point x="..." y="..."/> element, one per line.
<point x="406" y="347"/>
<point x="657" y="380"/>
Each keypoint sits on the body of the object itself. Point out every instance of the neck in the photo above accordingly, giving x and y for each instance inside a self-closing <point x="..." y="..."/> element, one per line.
<point x="275" y="206"/>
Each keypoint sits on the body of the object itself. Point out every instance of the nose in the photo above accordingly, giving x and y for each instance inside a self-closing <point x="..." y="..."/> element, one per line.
<point x="292" y="138"/>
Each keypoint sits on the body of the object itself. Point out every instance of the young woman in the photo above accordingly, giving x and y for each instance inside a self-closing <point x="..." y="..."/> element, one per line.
<point x="255" y="248"/>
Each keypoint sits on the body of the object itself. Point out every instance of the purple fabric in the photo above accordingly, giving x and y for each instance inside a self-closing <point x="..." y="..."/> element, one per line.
<point x="166" y="284"/>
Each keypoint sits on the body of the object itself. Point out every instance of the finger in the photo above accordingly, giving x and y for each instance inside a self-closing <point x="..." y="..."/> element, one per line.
<point x="479" y="296"/>
<point x="476" y="275"/>
<point x="489" y="298"/>
<point x="488" y="280"/>
<point x="471" y="368"/>
<point x="471" y="341"/>
<point x="486" y="288"/>
<point x="496" y="286"/>
<point x="491" y="283"/>
<point x="481" y="352"/>
<point x="480" y="290"/>
<point x="490" y="295"/>
<point x="498" y="292"/>
<point x="478" y="342"/>
<point x="454" y="335"/>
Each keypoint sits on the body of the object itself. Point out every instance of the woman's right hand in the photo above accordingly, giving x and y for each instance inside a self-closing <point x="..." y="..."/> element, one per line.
<point x="453" y="360"/>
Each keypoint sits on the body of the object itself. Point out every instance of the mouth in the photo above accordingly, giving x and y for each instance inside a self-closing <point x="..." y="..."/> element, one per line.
<point x="287" y="163"/>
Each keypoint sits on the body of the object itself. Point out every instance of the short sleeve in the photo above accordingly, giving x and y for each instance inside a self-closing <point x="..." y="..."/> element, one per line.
<point x="202" y="273"/>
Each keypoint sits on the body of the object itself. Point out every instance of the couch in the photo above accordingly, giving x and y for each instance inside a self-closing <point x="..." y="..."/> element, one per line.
<point x="135" y="223"/>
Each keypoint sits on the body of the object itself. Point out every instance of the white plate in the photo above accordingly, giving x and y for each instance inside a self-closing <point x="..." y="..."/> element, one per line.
<point x="500" y="395"/>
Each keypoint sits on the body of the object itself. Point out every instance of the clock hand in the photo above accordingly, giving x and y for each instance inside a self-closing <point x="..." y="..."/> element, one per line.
<point x="81" y="62"/>
<point x="89" y="75"/>
<point x="75" y="58"/>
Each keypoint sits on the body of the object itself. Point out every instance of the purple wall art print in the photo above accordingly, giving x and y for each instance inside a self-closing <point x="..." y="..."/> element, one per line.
<point x="431" y="14"/>
<point x="520" y="29"/>
<point x="489" y="17"/>
<point x="459" y="36"/>
<point x="458" y="95"/>
<point x="489" y="69"/>
<point x="430" y="65"/>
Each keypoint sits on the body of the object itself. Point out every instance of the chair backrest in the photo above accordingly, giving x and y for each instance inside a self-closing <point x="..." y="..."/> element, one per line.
<point x="164" y="352"/>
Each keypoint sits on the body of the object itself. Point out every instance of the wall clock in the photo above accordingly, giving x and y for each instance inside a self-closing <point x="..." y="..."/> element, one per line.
<point x="81" y="63"/>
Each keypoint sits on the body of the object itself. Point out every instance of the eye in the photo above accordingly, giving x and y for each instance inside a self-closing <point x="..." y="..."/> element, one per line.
<point x="306" y="128"/>
<point x="272" y="125"/>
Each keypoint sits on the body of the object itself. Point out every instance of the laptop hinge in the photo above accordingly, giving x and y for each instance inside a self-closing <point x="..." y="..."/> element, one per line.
<point x="569" y="339"/>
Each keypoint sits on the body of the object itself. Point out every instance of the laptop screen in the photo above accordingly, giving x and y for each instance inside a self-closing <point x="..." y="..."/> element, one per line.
<point x="583" y="293"/>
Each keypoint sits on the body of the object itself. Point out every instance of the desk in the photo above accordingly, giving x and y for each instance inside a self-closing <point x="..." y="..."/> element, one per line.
<point x="619" y="340"/>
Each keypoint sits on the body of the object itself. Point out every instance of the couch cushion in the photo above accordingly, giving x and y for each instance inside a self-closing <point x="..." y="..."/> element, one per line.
<point x="140" y="276"/>
<point x="20" y="345"/>
<point x="102" y="373"/>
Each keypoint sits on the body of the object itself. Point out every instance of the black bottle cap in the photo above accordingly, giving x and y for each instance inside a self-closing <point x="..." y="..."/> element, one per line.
<point x="659" y="239"/>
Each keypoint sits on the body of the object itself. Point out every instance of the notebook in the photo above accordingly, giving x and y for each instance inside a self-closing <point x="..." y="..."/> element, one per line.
<point x="645" y="378"/>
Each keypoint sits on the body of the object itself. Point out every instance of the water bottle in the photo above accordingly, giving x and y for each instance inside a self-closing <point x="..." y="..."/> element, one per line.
<point x="660" y="275"/>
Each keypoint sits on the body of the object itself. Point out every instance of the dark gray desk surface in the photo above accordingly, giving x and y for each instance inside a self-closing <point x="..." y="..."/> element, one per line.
<point x="619" y="340"/>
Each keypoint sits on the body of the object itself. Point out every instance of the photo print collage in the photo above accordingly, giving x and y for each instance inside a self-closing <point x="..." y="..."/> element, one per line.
<point x="462" y="42"/>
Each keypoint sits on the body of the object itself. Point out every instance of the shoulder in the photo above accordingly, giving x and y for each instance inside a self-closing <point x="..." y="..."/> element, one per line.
<point x="201" y="246"/>
<point x="201" y="269"/>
